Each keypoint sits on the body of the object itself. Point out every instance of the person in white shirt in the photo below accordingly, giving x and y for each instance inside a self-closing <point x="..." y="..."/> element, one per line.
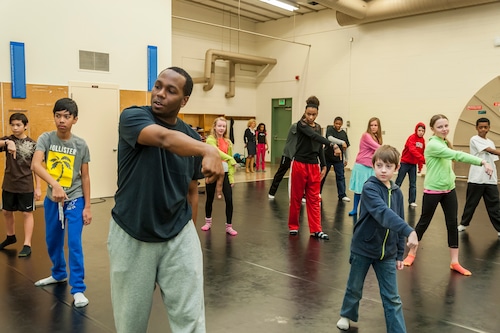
<point x="479" y="184"/>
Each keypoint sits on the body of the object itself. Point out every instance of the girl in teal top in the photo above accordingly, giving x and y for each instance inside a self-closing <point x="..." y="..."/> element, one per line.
<point x="439" y="188"/>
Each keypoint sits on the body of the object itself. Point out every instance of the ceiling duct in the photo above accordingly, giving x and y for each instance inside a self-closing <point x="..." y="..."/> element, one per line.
<point x="234" y="58"/>
<point x="380" y="10"/>
<point x="354" y="8"/>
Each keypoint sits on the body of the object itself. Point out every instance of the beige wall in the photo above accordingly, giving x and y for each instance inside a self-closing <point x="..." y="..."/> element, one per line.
<point x="190" y="41"/>
<point x="402" y="71"/>
<point x="54" y="31"/>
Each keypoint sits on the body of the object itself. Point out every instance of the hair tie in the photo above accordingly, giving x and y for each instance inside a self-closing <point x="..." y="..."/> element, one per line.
<point x="310" y="105"/>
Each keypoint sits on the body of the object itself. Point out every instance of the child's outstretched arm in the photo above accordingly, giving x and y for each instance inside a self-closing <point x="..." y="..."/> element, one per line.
<point x="337" y="151"/>
<point x="346" y="155"/>
<point x="10" y="146"/>
<point x="412" y="240"/>
<point x="487" y="168"/>
<point x="339" y="142"/>
<point x="412" y="243"/>
<point x="460" y="156"/>
<point x="492" y="151"/>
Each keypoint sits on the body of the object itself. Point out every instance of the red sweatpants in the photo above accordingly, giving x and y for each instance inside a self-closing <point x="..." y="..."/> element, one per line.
<point x="305" y="178"/>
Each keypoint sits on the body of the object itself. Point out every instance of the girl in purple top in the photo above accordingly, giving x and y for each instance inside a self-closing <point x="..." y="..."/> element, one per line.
<point x="362" y="170"/>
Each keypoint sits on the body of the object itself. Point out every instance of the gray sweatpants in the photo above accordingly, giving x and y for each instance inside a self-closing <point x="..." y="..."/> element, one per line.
<point x="175" y="265"/>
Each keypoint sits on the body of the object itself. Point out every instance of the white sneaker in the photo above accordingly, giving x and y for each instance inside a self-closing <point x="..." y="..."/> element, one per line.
<point x="343" y="324"/>
<point x="48" y="280"/>
<point x="80" y="300"/>
<point x="270" y="196"/>
<point x="346" y="199"/>
<point x="413" y="204"/>
<point x="461" y="227"/>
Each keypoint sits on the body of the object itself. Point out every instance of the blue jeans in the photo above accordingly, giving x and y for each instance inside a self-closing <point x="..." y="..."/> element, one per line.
<point x="387" y="281"/>
<point x="338" y="167"/>
<point x="411" y="170"/>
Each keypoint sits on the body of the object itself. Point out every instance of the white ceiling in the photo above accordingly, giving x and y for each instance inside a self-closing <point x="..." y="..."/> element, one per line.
<point x="256" y="10"/>
<point x="346" y="12"/>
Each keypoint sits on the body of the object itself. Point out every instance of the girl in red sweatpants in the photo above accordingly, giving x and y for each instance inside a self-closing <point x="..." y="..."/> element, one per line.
<point x="308" y="167"/>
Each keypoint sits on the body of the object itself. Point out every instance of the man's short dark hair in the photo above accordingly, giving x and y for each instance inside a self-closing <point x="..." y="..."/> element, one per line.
<point x="188" y="86"/>
<point x="66" y="104"/>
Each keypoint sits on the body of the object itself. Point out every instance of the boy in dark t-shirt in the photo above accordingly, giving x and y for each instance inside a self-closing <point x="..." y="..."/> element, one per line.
<point x="18" y="192"/>
<point x="338" y="136"/>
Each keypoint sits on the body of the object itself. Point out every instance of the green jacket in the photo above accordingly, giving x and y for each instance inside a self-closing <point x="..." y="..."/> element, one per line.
<point x="438" y="159"/>
<point x="228" y="158"/>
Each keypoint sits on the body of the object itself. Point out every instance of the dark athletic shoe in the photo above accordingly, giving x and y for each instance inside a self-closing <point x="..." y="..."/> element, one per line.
<point x="9" y="240"/>
<point x="320" y="235"/>
<point x="25" y="252"/>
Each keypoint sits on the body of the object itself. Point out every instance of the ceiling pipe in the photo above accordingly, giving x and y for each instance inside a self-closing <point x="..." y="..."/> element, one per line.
<point x="381" y="10"/>
<point x="354" y="8"/>
<point x="232" y="80"/>
<point x="234" y="58"/>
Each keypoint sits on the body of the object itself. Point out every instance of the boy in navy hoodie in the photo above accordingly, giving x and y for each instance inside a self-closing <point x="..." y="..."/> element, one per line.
<point x="379" y="241"/>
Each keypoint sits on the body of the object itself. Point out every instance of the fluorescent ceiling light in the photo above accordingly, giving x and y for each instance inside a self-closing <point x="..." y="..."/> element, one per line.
<point x="282" y="4"/>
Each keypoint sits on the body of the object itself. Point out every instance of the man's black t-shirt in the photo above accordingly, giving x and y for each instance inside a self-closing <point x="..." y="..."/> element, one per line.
<point x="151" y="201"/>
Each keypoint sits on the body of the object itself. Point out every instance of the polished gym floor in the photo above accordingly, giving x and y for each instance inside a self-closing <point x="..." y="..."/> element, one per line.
<point x="264" y="280"/>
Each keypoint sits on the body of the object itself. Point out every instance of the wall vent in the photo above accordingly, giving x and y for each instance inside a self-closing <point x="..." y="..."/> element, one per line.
<point x="94" y="61"/>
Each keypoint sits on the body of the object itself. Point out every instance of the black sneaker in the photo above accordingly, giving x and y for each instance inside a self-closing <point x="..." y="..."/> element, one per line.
<point x="9" y="240"/>
<point x="320" y="235"/>
<point x="25" y="252"/>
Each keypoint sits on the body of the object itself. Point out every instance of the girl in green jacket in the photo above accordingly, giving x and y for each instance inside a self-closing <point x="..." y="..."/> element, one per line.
<point x="218" y="138"/>
<point x="439" y="188"/>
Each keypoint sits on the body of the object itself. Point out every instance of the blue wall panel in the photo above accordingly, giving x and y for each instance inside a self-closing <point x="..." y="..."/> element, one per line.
<point x="152" y="66"/>
<point x="18" y="70"/>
